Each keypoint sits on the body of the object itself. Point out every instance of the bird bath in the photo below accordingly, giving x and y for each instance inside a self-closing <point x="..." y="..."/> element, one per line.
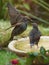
<point x="22" y="46"/>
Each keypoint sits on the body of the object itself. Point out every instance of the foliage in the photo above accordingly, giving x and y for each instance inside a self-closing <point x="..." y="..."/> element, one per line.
<point x="6" y="56"/>
<point x="30" y="8"/>
<point x="40" y="13"/>
<point x="41" y="57"/>
<point x="31" y="57"/>
<point x="41" y="4"/>
<point x="4" y="35"/>
<point x="37" y="18"/>
<point x="2" y="9"/>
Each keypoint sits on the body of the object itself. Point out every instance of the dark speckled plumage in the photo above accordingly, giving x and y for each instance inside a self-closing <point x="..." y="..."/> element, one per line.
<point x="34" y="35"/>
<point x="18" y="30"/>
<point x="17" y="20"/>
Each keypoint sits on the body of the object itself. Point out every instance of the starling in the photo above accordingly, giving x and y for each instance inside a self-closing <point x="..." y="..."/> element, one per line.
<point x="34" y="35"/>
<point x="17" y="20"/>
<point x="19" y="29"/>
<point x="15" y="16"/>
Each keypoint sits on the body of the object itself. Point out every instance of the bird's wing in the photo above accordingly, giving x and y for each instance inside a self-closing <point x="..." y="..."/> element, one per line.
<point x="37" y="35"/>
<point x="14" y="14"/>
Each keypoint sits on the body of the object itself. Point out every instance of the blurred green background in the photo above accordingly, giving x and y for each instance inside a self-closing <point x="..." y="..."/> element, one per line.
<point x="34" y="9"/>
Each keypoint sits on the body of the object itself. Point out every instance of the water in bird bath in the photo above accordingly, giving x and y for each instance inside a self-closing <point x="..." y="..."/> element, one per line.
<point x="24" y="45"/>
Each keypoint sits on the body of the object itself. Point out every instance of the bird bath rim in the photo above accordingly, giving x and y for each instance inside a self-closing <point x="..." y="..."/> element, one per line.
<point x="12" y="48"/>
<point x="20" y="52"/>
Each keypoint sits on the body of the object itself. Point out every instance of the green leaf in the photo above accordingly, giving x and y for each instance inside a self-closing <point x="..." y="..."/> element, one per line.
<point x="43" y="54"/>
<point x="44" y="57"/>
<point x="46" y="60"/>
<point x="44" y="3"/>
<point x="22" y="61"/>
<point x="41" y="4"/>
<point x="29" y="61"/>
<point x="26" y="6"/>
<point x="42" y="51"/>
<point x="35" y="53"/>
<point x="31" y="57"/>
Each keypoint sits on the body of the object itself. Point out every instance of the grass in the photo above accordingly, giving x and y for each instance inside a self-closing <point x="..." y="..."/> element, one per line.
<point x="6" y="57"/>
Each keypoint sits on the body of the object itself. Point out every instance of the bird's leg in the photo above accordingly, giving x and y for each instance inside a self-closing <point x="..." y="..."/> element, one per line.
<point x="31" y="45"/>
<point x="37" y="46"/>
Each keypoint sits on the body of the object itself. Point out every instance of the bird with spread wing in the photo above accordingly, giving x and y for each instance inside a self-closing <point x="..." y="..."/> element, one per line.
<point x="17" y="20"/>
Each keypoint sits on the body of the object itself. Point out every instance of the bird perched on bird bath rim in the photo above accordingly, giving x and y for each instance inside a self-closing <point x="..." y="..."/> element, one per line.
<point x="34" y="35"/>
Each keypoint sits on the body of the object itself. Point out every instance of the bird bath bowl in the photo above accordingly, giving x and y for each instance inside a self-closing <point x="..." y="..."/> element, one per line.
<point x="22" y="46"/>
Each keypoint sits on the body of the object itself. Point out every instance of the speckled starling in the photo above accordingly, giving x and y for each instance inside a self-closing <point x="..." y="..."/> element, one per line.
<point x="34" y="35"/>
<point x="19" y="29"/>
<point x="17" y="20"/>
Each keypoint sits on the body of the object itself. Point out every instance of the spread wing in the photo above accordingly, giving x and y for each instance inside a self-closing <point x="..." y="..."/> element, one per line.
<point x="14" y="14"/>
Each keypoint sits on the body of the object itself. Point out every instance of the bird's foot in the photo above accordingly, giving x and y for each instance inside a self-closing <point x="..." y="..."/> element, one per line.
<point x="37" y="46"/>
<point x="31" y="45"/>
